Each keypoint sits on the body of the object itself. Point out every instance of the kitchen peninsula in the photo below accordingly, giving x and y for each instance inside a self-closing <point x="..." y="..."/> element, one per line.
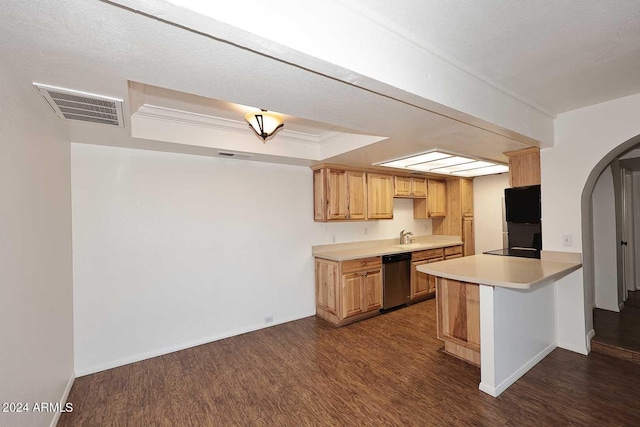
<point x="499" y="311"/>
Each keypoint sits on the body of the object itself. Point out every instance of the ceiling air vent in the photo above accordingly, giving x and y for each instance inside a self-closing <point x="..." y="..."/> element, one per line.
<point x="71" y="104"/>
<point x="234" y="154"/>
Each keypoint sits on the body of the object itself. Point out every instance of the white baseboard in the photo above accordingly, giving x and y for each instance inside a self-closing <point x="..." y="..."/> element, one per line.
<point x="496" y="391"/>
<point x="166" y="350"/>
<point x="63" y="400"/>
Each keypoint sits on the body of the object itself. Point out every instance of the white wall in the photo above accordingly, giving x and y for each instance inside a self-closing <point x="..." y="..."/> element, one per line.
<point x="582" y="138"/>
<point x="517" y="329"/>
<point x="604" y="240"/>
<point x="174" y="250"/>
<point x="36" y="347"/>
<point x="488" y="195"/>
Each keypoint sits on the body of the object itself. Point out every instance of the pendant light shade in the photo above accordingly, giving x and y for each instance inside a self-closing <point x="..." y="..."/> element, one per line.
<point x="264" y="123"/>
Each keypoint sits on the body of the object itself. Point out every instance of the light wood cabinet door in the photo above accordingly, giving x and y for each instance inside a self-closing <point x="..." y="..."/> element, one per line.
<point x="345" y="194"/>
<point x="410" y="187"/>
<point x="524" y="167"/>
<point x="319" y="196"/>
<point x="422" y="284"/>
<point x="468" y="236"/>
<point x="458" y="317"/>
<point x="419" y="280"/>
<point x="466" y="189"/>
<point x="402" y="186"/>
<point x="326" y="281"/>
<point x="380" y="196"/>
<point x="336" y="194"/>
<point x="436" y="198"/>
<point x="357" y="195"/>
<point x="418" y="187"/>
<point x="351" y="294"/>
<point x="372" y="290"/>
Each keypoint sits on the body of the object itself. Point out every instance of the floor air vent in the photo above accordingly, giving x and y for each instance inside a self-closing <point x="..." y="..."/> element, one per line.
<point x="71" y="104"/>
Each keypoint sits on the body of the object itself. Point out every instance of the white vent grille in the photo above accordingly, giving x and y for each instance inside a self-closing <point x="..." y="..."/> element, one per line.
<point x="71" y="104"/>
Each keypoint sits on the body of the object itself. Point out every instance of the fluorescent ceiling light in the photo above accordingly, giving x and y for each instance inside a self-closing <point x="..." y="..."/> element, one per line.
<point x="446" y="164"/>
<point x="464" y="167"/>
<point x="420" y="158"/>
<point x="433" y="166"/>
<point x="483" y="171"/>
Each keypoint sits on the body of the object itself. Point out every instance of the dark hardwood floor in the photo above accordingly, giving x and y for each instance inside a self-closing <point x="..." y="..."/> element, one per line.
<point x="388" y="370"/>
<point x="618" y="334"/>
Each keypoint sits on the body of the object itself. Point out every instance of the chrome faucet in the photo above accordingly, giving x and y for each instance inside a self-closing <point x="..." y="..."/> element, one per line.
<point x="405" y="237"/>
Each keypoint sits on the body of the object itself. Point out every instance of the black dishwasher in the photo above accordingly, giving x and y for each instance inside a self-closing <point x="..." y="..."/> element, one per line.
<point x="396" y="270"/>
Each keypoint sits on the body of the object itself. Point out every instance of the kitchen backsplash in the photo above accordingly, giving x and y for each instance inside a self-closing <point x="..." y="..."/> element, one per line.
<point x="341" y="232"/>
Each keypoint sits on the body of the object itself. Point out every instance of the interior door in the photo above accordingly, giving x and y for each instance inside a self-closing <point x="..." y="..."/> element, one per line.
<point x="628" y="265"/>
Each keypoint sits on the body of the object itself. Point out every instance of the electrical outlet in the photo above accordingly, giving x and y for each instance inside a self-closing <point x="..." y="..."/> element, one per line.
<point x="268" y="319"/>
<point x="567" y="240"/>
<point x="333" y="238"/>
<point x="365" y="231"/>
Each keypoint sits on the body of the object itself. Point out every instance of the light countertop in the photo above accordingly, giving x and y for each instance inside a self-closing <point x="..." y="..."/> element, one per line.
<point x="502" y="271"/>
<point x="355" y="250"/>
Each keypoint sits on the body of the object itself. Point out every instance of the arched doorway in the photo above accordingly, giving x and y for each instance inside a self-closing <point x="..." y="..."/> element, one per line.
<point x="588" y="224"/>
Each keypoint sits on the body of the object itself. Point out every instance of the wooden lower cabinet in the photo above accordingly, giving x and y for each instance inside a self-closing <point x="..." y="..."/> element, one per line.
<point x="468" y="236"/>
<point x="423" y="285"/>
<point x="453" y="252"/>
<point x="349" y="290"/>
<point x="458" y="317"/>
<point x="351" y="294"/>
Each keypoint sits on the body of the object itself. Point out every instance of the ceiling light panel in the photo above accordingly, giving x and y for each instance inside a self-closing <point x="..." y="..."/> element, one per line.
<point x="431" y="166"/>
<point x="443" y="163"/>
<point x="420" y="158"/>
<point x="464" y="167"/>
<point x="491" y="170"/>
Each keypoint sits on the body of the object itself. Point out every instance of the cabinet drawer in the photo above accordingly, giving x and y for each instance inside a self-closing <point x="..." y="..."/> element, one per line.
<point x="427" y="254"/>
<point x="361" y="264"/>
<point x="453" y="250"/>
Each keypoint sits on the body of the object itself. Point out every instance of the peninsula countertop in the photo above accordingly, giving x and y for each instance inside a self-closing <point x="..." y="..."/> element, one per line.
<point x="355" y="250"/>
<point x="505" y="271"/>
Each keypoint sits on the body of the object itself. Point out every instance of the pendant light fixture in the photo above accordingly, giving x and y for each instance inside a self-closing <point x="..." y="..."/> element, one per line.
<point x="264" y="123"/>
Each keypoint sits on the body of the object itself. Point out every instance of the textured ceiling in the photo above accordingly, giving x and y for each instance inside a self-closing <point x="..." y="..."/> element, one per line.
<point x="550" y="53"/>
<point x="558" y="55"/>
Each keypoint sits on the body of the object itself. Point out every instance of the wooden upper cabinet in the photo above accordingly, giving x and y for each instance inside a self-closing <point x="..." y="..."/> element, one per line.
<point x="466" y="193"/>
<point x="339" y="195"/>
<point x="380" y="195"/>
<point x="435" y="205"/>
<point x="436" y="198"/>
<point x="402" y="186"/>
<point x="356" y="195"/>
<point x="524" y="167"/>
<point x="410" y="187"/>
<point x="459" y="219"/>
<point x="419" y="187"/>
<point x="319" y="195"/>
